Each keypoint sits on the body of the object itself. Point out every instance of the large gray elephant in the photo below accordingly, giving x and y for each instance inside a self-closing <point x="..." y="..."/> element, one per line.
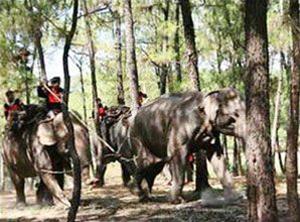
<point x="34" y="145"/>
<point x="114" y="130"/>
<point x="173" y="126"/>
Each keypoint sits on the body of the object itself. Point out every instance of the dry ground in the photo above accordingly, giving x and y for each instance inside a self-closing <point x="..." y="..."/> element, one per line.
<point x="113" y="202"/>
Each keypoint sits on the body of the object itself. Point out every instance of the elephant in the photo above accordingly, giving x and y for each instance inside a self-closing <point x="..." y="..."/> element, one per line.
<point x="175" y="125"/>
<point x="114" y="130"/>
<point x="35" y="146"/>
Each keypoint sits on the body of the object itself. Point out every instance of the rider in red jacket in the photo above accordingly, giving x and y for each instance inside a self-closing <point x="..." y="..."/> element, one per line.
<point x="12" y="104"/>
<point x="53" y="98"/>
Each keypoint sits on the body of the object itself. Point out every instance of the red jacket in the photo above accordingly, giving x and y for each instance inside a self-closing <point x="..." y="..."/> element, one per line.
<point x="15" y="106"/>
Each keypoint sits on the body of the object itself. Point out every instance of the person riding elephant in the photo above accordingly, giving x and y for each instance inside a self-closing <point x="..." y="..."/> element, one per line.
<point x="12" y="104"/>
<point x="171" y="127"/>
<point x="53" y="95"/>
<point x="115" y="134"/>
<point x="37" y="148"/>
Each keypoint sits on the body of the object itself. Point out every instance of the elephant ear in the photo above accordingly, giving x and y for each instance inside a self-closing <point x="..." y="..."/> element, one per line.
<point x="211" y="105"/>
<point x="60" y="129"/>
<point x="45" y="133"/>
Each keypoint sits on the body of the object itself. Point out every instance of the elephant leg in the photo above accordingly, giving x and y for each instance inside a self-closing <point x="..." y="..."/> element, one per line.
<point x="125" y="175"/>
<point x="189" y="172"/>
<point x="152" y="172"/>
<point x="139" y="177"/>
<point x="44" y="196"/>
<point x="101" y="168"/>
<point x="54" y="186"/>
<point x="19" y="183"/>
<point x="177" y="169"/>
<point x="217" y="160"/>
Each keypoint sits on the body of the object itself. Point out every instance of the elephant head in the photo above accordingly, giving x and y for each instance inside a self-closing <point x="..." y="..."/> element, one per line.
<point x="225" y="111"/>
<point x="53" y="132"/>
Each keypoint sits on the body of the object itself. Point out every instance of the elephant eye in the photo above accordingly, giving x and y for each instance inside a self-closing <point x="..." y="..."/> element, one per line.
<point x="231" y="120"/>
<point x="236" y="114"/>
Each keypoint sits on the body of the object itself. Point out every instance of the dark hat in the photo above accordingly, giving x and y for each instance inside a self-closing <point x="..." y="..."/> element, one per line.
<point x="55" y="79"/>
<point x="9" y="92"/>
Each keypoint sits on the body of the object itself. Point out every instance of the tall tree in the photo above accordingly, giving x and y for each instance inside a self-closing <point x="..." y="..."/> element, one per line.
<point x="189" y="35"/>
<point x="261" y="186"/>
<point x="118" y="36"/>
<point x="71" y="141"/>
<point x="177" y="44"/>
<point x="131" y="64"/>
<point x="165" y="66"/>
<point x="293" y="124"/>
<point x="91" y="48"/>
<point x="35" y="27"/>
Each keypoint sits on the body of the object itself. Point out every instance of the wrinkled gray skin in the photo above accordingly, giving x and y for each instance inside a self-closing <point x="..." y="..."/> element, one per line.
<point x="115" y="132"/>
<point x="30" y="151"/>
<point x="172" y="126"/>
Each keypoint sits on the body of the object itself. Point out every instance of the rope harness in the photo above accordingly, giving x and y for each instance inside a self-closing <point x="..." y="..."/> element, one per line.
<point x="115" y="153"/>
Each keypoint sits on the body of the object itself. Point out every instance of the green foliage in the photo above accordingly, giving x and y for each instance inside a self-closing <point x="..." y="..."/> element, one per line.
<point x="219" y="39"/>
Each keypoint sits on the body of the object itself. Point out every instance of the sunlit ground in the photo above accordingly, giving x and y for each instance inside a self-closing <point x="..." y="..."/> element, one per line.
<point x="115" y="203"/>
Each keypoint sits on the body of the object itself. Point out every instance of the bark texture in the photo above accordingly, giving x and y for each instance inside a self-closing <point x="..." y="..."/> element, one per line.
<point x="261" y="187"/>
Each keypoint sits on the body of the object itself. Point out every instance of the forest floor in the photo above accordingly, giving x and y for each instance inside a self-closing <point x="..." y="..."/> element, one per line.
<point x="113" y="202"/>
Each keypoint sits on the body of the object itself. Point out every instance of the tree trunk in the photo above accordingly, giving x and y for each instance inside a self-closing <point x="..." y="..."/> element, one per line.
<point x="225" y="147"/>
<point x="201" y="171"/>
<point x="177" y="44"/>
<point x="38" y="45"/>
<point x="189" y="35"/>
<point x="276" y="115"/>
<point x="240" y="165"/>
<point x="37" y="36"/>
<point x="120" y="88"/>
<point x="92" y="66"/>
<point x="131" y="63"/>
<point x="165" y="66"/>
<point x="293" y="124"/>
<point x="67" y="120"/>
<point x="79" y="66"/>
<point x="235" y="170"/>
<point x="261" y="187"/>
<point x="2" y="178"/>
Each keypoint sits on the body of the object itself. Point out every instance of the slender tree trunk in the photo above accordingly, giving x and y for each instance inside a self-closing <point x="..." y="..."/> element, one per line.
<point x="67" y="120"/>
<point x="37" y="36"/>
<point x="38" y="45"/>
<point x="131" y="63"/>
<point x="92" y="66"/>
<point x="165" y="66"/>
<point x="189" y="35"/>
<point x="240" y="165"/>
<point x="120" y="87"/>
<point x="177" y="44"/>
<point x="225" y="147"/>
<point x="2" y="178"/>
<point x="235" y="171"/>
<point x="275" y="126"/>
<point x="293" y="124"/>
<point x="201" y="171"/>
<point x="261" y="186"/>
<point x="79" y="66"/>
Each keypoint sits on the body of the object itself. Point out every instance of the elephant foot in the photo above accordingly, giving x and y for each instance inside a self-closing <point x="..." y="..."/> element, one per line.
<point x="144" y="198"/>
<point x="63" y="205"/>
<point x="232" y="197"/>
<point x="133" y="187"/>
<point x="178" y="200"/>
<point x="93" y="182"/>
<point x="20" y="204"/>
